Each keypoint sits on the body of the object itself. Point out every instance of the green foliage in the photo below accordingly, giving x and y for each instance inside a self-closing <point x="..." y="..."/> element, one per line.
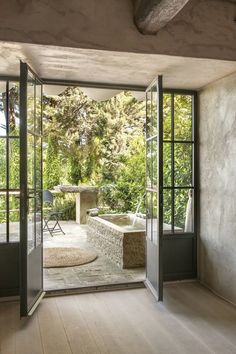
<point x="3" y="163"/>
<point x="52" y="169"/>
<point x="182" y="155"/>
<point x="14" y="158"/>
<point x="102" y="143"/>
<point x="95" y="141"/>
<point x="66" y="204"/>
<point x="13" y="148"/>
<point x="130" y="185"/>
<point x="75" y="174"/>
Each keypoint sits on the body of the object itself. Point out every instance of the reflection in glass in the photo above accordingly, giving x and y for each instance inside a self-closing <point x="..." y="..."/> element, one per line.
<point x="14" y="217"/>
<point x="167" y="210"/>
<point x="149" y="215"/>
<point x="183" y="165"/>
<point x="167" y="117"/>
<point x="3" y="163"/>
<point x="167" y="181"/>
<point x="14" y="163"/>
<point x="183" y="117"/>
<point x="30" y="103"/>
<point x="154" y="163"/>
<point x="148" y="113"/>
<point x="31" y="224"/>
<point x="38" y="106"/>
<point x="14" y="114"/>
<point x="30" y="160"/>
<point x="38" y="218"/>
<point x="3" y="115"/>
<point x="149" y="163"/>
<point x="38" y="187"/>
<point x="38" y="163"/>
<point x="155" y="217"/>
<point x="184" y="210"/>
<point x="3" y="217"/>
<point x="154" y="110"/>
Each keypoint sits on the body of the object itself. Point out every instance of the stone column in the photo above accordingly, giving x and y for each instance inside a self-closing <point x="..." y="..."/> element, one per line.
<point x="85" y="199"/>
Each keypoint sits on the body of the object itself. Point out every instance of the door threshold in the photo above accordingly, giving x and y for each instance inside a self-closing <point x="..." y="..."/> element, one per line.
<point x="10" y="298"/>
<point x="95" y="289"/>
<point x="191" y="280"/>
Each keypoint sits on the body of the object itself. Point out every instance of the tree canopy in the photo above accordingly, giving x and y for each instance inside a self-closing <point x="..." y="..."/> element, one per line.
<point x="102" y="143"/>
<point x="94" y="143"/>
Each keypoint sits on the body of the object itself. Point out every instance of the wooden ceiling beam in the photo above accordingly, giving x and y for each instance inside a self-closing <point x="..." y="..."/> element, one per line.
<point x="151" y="15"/>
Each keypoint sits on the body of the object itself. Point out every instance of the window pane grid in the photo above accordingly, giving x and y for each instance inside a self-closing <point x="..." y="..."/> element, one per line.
<point x="9" y="163"/>
<point x="178" y="163"/>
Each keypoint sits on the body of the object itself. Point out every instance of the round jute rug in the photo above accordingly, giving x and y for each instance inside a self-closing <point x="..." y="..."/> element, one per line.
<point x="66" y="257"/>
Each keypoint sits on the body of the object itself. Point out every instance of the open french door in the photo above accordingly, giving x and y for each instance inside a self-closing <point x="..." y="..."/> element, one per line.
<point x="31" y="240"/>
<point x="154" y="188"/>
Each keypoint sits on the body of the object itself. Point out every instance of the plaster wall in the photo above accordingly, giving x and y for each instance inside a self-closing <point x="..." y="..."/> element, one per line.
<point x="217" y="244"/>
<point x="203" y="29"/>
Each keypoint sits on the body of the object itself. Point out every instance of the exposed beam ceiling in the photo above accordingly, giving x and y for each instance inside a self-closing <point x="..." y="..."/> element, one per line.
<point x="151" y="15"/>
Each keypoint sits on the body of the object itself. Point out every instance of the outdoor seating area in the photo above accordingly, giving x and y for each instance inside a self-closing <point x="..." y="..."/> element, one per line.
<point x="100" y="271"/>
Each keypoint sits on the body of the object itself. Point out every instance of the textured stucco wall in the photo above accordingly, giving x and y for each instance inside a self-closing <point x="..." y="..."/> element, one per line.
<point x="217" y="246"/>
<point x="204" y="28"/>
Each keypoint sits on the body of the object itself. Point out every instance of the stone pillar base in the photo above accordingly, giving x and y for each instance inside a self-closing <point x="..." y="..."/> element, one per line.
<point x="85" y="200"/>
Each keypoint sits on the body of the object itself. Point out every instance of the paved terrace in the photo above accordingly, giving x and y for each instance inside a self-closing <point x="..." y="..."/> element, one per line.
<point x="99" y="272"/>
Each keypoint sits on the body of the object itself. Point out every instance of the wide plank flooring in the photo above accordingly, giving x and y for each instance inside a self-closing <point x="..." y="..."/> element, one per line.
<point x="191" y="320"/>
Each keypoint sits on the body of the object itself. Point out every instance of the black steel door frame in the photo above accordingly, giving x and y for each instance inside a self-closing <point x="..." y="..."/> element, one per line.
<point x="181" y="238"/>
<point x="154" y="249"/>
<point x="25" y="264"/>
<point x="196" y="166"/>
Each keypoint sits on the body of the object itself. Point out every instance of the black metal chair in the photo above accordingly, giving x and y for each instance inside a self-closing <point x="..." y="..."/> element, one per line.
<point x="50" y="215"/>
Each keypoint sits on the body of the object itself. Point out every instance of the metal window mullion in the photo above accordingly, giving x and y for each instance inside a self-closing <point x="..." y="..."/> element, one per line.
<point x="178" y="141"/>
<point x="151" y="167"/>
<point x="148" y="122"/>
<point x="172" y="164"/>
<point x="146" y="127"/>
<point x="195" y="161"/>
<point x="41" y="162"/>
<point x="10" y="137"/>
<point x="160" y="196"/>
<point x="7" y="164"/>
<point x="179" y="187"/>
<point x="23" y="189"/>
<point x="34" y="167"/>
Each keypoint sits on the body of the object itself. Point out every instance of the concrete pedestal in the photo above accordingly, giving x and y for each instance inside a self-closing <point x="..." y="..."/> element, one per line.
<point x="85" y="199"/>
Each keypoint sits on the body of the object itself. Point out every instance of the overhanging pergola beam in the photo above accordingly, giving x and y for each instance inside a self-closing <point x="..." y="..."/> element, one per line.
<point x="122" y="87"/>
<point x="151" y="15"/>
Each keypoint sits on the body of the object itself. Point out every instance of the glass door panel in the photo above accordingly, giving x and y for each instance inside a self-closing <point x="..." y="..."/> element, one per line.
<point x="154" y="152"/>
<point x="9" y="161"/>
<point x="31" y="190"/>
<point x="3" y="163"/>
<point x="14" y="216"/>
<point x="179" y="156"/>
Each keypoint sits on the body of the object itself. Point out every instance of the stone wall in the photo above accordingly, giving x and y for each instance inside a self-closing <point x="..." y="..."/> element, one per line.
<point x="126" y="249"/>
<point x="217" y="244"/>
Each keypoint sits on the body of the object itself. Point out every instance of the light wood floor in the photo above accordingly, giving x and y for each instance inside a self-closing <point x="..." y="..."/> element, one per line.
<point x="191" y="320"/>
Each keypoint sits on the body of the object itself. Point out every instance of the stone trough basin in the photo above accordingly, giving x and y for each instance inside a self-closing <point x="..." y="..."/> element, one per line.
<point x="120" y="238"/>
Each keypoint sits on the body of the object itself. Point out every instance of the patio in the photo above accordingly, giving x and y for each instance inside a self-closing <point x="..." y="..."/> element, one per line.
<point x="99" y="272"/>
